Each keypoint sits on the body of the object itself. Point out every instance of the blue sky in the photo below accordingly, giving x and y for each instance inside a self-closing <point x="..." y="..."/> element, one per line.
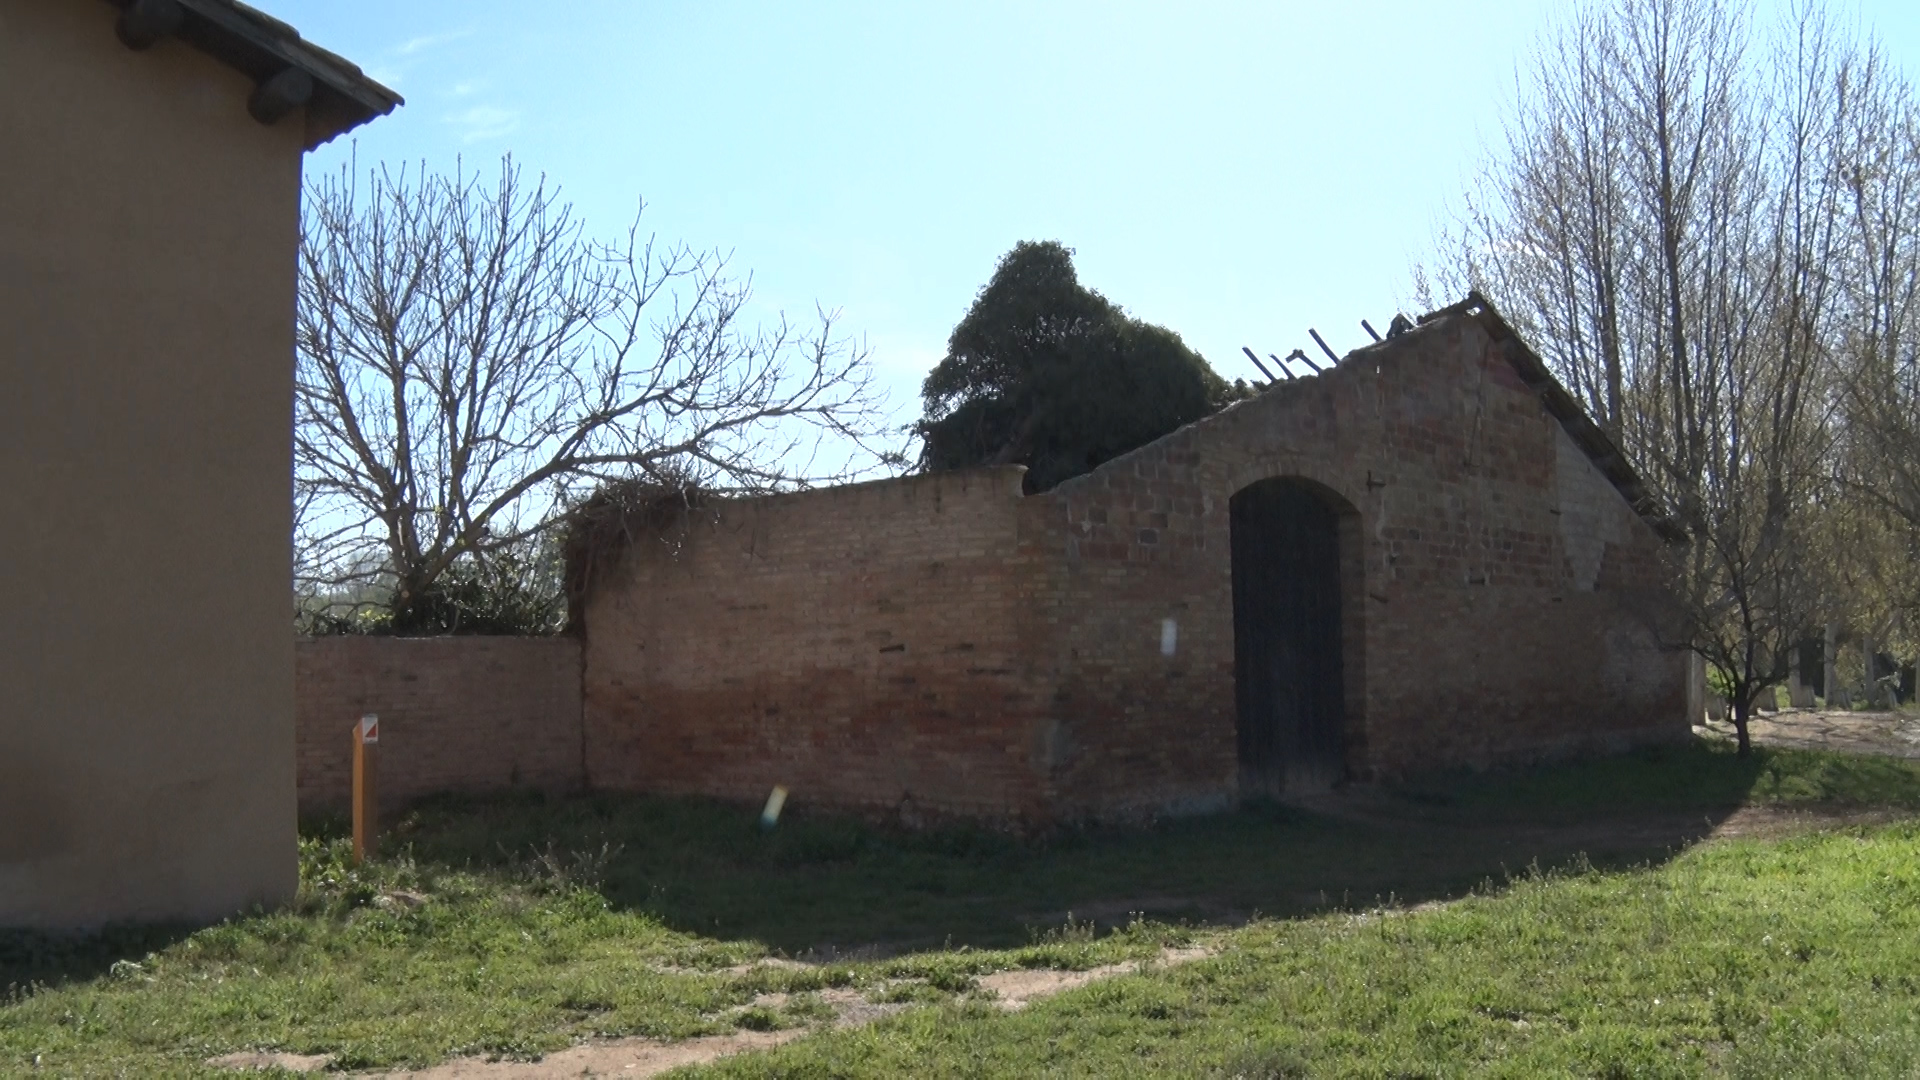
<point x="1237" y="172"/>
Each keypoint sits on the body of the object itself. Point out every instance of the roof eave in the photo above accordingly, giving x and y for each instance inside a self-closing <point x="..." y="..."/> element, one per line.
<point x="261" y="47"/>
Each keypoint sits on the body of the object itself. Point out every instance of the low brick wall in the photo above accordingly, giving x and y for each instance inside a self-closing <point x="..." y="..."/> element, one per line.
<point x="459" y="714"/>
<point x="858" y="645"/>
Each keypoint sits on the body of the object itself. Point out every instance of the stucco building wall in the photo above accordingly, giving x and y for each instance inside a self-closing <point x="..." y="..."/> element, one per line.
<point x="147" y="232"/>
<point x="1498" y="602"/>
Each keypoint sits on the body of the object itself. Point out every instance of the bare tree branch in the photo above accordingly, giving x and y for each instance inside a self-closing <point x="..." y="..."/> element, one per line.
<point x="470" y="361"/>
<point x="1700" y="236"/>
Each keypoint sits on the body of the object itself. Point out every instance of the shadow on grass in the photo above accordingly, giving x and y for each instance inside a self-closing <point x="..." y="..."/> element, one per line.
<point x="1702" y="774"/>
<point x="821" y="882"/>
<point x="30" y="958"/>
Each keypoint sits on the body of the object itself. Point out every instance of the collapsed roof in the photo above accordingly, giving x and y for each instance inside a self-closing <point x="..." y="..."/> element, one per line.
<point x="1560" y="403"/>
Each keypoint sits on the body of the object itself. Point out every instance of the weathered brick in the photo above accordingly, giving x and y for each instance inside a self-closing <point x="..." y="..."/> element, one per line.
<point x="457" y="714"/>
<point x="940" y="644"/>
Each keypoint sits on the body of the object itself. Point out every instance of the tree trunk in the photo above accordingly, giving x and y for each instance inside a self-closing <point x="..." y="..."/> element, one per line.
<point x="1742" y="708"/>
<point x="1870" y="648"/>
<point x="1830" y="678"/>
<point x="409" y="605"/>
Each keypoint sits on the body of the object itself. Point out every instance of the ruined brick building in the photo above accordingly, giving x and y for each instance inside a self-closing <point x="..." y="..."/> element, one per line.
<point x="1426" y="557"/>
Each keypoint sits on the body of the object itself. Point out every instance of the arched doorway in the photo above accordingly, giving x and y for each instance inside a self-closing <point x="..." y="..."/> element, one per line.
<point x="1289" y="677"/>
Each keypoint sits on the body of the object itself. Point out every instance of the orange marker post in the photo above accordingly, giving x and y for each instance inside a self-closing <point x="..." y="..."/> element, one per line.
<point x="366" y="774"/>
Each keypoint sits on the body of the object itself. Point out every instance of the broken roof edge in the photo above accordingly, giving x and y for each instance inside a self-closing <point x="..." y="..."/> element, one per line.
<point x="1559" y="402"/>
<point x="260" y="47"/>
<point x="1297" y="384"/>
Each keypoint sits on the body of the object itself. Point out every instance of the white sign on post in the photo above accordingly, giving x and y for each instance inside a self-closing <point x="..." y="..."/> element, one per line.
<point x="370" y="728"/>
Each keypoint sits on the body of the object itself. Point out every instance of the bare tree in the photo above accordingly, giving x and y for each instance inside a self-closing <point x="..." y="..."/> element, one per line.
<point x="1665" y="219"/>
<point x="1879" y="465"/>
<point x="470" y="360"/>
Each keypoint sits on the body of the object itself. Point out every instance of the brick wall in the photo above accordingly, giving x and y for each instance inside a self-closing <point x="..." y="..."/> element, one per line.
<point x="942" y="643"/>
<point x="457" y="714"/>
<point x="1498" y="592"/>
<point x="858" y="645"/>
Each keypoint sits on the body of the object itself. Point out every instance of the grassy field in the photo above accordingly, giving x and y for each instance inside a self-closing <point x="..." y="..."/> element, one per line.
<point x="1585" y="936"/>
<point x="1755" y="959"/>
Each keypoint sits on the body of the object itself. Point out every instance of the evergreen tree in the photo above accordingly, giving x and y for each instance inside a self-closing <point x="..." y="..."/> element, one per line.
<point x="1046" y="373"/>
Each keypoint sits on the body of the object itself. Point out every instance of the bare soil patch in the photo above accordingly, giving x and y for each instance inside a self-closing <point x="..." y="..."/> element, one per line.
<point x="612" y="1057"/>
<point x="1013" y="990"/>
<point x="263" y="1060"/>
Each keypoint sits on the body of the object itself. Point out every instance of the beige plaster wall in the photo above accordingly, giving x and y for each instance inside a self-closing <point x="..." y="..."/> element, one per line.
<point x="148" y="230"/>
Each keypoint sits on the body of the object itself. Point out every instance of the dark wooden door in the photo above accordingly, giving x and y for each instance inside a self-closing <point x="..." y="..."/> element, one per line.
<point x="1286" y="636"/>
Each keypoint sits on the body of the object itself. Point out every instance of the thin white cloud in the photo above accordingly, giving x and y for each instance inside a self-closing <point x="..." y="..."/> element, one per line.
<point x="466" y="89"/>
<point x="484" y="122"/>
<point x="428" y="41"/>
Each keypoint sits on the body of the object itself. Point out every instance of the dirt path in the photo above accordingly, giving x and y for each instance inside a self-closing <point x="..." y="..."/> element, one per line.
<point x="1014" y="989"/>
<point x="1890" y="734"/>
<point x="610" y="1057"/>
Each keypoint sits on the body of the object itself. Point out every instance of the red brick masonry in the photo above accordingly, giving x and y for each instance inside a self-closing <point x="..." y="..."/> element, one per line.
<point x="460" y="714"/>
<point x="942" y="644"/>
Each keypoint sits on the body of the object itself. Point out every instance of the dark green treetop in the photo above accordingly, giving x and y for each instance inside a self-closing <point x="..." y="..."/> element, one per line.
<point x="1046" y="373"/>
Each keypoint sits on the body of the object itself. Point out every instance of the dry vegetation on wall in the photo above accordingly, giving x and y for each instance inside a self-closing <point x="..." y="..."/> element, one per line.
<point x="610" y="521"/>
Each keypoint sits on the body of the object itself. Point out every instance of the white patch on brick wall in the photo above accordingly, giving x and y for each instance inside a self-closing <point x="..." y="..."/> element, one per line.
<point x="1630" y="654"/>
<point x="1592" y="513"/>
<point x="1169" y="636"/>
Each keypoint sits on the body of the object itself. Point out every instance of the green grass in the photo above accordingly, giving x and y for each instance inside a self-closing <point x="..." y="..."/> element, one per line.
<point x="1705" y="775"/>
<point x="1752" y="959"/>
<point x="511" y="963"/>
<point x="515" y="926"/>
